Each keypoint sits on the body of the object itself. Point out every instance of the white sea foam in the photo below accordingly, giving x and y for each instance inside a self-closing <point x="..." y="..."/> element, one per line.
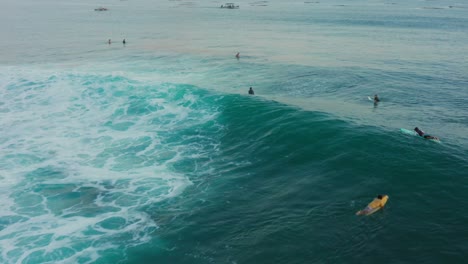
<point x="82" y="155"/>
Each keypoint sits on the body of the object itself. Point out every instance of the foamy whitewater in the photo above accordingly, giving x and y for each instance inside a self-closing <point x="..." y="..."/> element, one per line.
<point x="153" y="152"/>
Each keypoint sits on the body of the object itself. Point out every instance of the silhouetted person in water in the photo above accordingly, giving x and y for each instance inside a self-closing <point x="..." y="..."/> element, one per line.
<point x="251" y="91"/>
<point x="237" y="55"/>
<point x="109" y="41"/>
<point x="124" y="41"/>
<point x="376" y="99"/>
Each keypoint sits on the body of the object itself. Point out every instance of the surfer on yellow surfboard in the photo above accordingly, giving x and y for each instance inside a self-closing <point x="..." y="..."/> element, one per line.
<point x="374" y="206"/>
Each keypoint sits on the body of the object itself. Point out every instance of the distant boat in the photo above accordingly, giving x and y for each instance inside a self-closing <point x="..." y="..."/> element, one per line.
<point x="229" y="6"/>
<point x="101" y="9"/>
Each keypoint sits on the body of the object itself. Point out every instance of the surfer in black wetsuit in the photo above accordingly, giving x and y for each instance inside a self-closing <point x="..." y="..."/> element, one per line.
<point x="422" y="134"/>
<point x="419" y="131"/>
<point x="251" y="91"/>
<point x="376" y="99"/>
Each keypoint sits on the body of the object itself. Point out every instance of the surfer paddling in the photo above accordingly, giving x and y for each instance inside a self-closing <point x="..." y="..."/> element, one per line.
<point x="422" y="134"/>
<point x="378" y="203"/>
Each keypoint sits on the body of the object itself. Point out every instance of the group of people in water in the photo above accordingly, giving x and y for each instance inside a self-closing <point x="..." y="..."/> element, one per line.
<point x="381" y="200"/>
<point x="110" y="41"/>
<point x="419" y="131"/>
<point x="376" y="100"/>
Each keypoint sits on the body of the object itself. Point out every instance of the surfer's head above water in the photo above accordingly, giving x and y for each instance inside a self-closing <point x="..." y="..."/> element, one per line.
<point x="380" y="196"/>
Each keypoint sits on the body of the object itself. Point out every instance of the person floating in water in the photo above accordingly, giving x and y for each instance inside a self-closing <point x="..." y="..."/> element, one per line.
<point x="422" y="134"/>
<point x="251" y="91"/>
<point x="238" y="55"/>
<point x="376" y="98"/>
<point x="124" y="42"/>
<point x="109" y="41"/>
<point x="377" y="203"/>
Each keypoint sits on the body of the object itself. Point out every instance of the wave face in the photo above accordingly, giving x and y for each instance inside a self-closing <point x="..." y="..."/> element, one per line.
<point x="100" y="168"/>
<point x="285" y="183"/>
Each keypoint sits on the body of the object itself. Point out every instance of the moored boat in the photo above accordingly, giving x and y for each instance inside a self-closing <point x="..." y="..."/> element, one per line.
<point x="229" y="6"/>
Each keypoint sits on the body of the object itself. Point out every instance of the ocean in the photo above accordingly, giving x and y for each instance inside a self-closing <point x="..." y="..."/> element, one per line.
<point x="154" y="152"/>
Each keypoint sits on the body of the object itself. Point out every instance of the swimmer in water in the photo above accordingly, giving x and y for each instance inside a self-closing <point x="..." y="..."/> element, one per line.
<point x="422" y="134"/>
<point x="376" y="99"/>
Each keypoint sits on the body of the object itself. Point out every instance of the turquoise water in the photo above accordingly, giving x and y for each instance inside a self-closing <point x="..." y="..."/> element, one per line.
<point x="153" y="152"/>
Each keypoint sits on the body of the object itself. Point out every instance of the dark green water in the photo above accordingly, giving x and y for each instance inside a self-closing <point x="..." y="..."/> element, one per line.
<point x="286" y="184"/>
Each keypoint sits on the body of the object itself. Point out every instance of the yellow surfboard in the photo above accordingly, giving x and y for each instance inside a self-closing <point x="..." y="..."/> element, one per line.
<point x="373" y="206"/>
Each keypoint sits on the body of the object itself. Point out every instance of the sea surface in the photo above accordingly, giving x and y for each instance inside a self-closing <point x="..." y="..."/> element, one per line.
<point x="153" y="152"/>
